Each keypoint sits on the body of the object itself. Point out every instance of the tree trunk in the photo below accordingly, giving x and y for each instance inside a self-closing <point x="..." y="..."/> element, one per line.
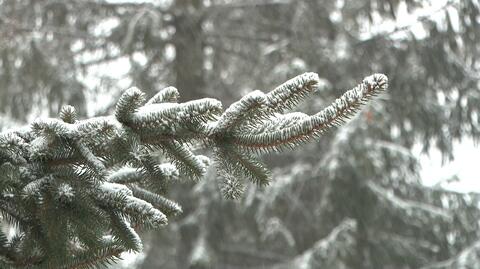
<point x="189" y="58"/>
<point x="190" y="81"/>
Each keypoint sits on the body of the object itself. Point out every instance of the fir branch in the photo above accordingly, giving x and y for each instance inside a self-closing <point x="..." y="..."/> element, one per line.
<point x="239" y="111"/>
<point x="3" y="240"/>
<point x="335" y="114"/>
<point x="231" y="187"/>
<point x="52" y="128"/>
<point x="68" y="114"/>
<point x="12" y="215"/>
<point x="290" y="93"/>
<point x="121" y="198"/>
<point x="167" y="95"/>
<point x="156" y="171"/>
<point x="130" y="100"/>
<point x="187" y="163"/>
<point x="165" y="205"/>
<point x="122" y="231"/>
<point x="162" y="118"/>
<point x="106" y="169"/>
<point x="34" y="189"/>
<point x="94" y="258"/>
<point x="241" y="165"/>
<point x="11" y="148"/>
<point x="125" y="175"/>
<point x="93" y="161"/>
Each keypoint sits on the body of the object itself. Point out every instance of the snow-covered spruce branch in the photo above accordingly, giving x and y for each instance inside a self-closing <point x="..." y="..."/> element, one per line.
<point x="287" y="131"/>
<point x="75" y="188"/>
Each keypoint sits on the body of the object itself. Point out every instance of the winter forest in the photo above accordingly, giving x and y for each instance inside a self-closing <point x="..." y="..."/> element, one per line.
<point x="236" y="134"/>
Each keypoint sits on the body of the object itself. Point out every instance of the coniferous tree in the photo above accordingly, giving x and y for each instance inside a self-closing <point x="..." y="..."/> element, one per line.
<point x="433" y="102"/>
<point x="77" y="190"/>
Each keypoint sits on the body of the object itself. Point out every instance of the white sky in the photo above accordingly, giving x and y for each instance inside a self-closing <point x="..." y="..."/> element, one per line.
<point x="466" y="153"/>
<point x="466" y="167"/>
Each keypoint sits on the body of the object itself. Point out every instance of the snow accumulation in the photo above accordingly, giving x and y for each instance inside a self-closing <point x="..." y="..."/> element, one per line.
<point x="172" y="112"/>
<point x="109" y="188"/>
<point x="279" y="96"/>
<point x="168" y="169"/>
<point x="166" y="95"/>
<point x="122" y="174"/>
<point x="239" y="108"/>
<point x="133" y="204"/>
<point x="65" y="191"/>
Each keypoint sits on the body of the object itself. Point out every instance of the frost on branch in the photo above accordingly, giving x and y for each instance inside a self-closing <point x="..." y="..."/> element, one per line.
<point x="254" y="124"/>
<point x="305" y="127"/>
<point x="68" y="184"/>
<point x="68" y="114"/>
<point x="167" y="95"/>
<point x="232" y="188"/>
<point x="290" y="93"/>
<point x="238" y="112"/>
<point x="128" y="103"/>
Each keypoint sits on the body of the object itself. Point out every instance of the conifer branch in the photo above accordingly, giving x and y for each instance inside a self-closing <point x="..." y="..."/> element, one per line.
<point x="102" y="256"/>
<point x="232" y="187"/>
<point x="90" y="159"/>
<point x="124" y="233"/>
<point x="68" y="114"/>
<point x="241" y="165"/>
<point x="165" y="205"/>
<point x="125" y="175"/>
<point x="106" y="168"/>
<point x="290" y="93"/>
<point x="167" y="95"/>
<point x="11" y="147"/>
<point x="139" y="211"/>
<point x="241" y="110"/>
<point x="130" y="100"/>
<point x="184" y="159"/>
<point x="308" y="127"/>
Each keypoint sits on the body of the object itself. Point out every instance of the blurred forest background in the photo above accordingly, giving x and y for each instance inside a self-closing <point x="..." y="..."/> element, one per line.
<point x="355" y="199"/>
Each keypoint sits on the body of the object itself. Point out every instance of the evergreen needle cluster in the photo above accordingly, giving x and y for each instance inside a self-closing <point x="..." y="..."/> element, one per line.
<point x="76" y="191"/>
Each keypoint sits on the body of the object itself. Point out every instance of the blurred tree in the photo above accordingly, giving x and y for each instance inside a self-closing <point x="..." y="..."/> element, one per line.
<point x="36" y="62"/>
<point x="365" y="173"/>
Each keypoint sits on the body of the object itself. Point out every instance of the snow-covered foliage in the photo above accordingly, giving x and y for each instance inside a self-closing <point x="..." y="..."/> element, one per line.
<point x="227" y="48"/>
<point x="68" y="183"/>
